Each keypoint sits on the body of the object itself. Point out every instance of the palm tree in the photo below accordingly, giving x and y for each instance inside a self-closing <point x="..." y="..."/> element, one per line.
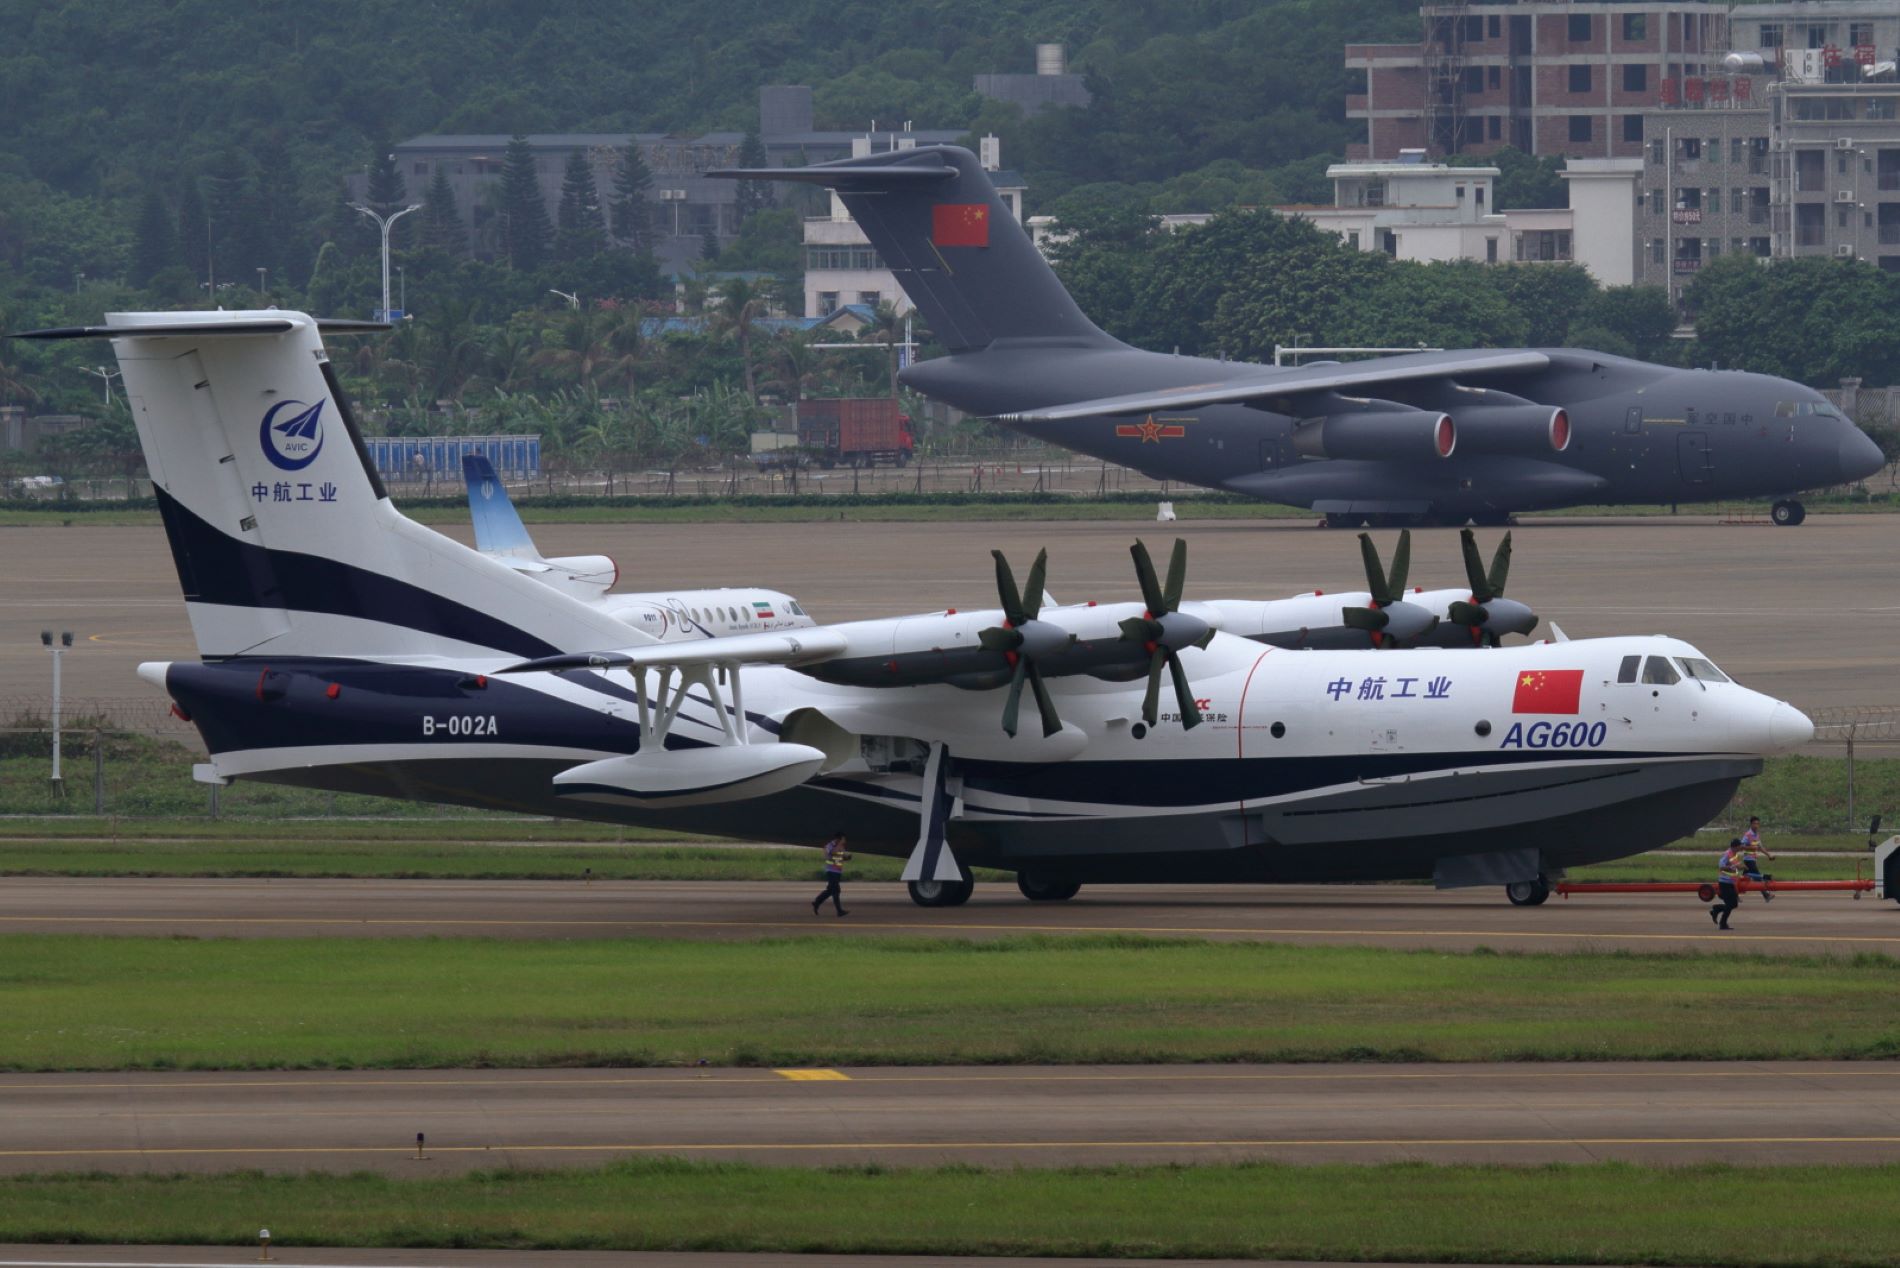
<point x="451" y="349"/>
<point x="794" y="364"/>
<point x="583" y="350"/>
<point x="887" y="327"/>
<point x="741" y="304"/>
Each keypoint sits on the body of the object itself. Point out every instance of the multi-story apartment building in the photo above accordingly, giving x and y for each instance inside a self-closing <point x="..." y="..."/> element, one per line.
<point x="1546" y="76"/>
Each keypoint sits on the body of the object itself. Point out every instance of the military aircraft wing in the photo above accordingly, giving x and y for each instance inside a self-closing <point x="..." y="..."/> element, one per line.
<point x="788" y="647"/>
<point x="1298" y="382"/>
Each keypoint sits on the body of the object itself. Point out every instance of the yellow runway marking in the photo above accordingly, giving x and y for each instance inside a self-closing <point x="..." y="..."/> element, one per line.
<point x="813" y="1076"/>
<point x="175" y="1082"/>
<point x="1159" y="930"/>
<point x="868" y="1146"/>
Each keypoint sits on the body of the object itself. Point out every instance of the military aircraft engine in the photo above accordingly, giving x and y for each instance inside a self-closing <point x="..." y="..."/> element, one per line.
<point x="1517" y="430"/>
<point x="1378" y="436"/>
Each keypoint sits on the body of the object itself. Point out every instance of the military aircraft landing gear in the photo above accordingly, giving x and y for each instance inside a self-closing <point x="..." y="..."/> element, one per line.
<point x="1038" y="888"/>
<point x="1343" y="519"/>
<point x="1491" y="519"/>
<point x="1528" y="893"/>
<point x="1788" y="512"/>
<point x="941" y="893"/>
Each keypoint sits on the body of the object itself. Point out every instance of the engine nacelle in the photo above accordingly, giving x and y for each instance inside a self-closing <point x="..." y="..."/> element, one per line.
<point x="1382" y="436"/>
<point x="1528" y="431"/>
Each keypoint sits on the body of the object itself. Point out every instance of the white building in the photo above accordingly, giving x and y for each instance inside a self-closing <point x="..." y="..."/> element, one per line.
<point x="842" y="267"/>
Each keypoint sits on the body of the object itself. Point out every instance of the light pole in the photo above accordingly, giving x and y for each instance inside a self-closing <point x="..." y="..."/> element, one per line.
<point x="261" y="293"/>
<point x="402" y="290"/>
<point x="104" y="375"/>
<point x="573" y="299"/>
<point x="58" y="649"/>
<point x="383" y="223"/>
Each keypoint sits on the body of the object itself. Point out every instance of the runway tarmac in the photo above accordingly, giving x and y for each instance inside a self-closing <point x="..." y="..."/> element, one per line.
<point x="1797" y="1112"/>
<point x="1727" y="588"/>
<point x="37" y="1256"/>
<point x="1336" y="915"/>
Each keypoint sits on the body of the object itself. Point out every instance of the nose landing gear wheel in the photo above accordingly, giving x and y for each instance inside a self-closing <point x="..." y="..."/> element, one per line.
<point x="1046" y="889"/>
<point x="1788" y="512"/>
<point x="941" y="893"/>
<point x="1528" y="893"/>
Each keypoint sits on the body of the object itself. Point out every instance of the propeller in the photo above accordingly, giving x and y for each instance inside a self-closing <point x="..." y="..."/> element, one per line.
<point x="1023" y="640"/>
<point x="1164" y="630"/>
<point x="1389" y="618"/>
<point x="1489" y="615"/>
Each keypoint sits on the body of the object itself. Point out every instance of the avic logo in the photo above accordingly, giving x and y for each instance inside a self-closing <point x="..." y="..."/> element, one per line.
<point x="294" y="443"/>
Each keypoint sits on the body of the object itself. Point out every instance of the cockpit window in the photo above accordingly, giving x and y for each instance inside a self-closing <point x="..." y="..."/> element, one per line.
<point x="1784" y="409"/>
<point x="1627" y="672"/>
<point x="1657" y="671"/>
<point x="1807" y="409"/>
<point x="1696" y="667"/>
<point x="796" y="610"/>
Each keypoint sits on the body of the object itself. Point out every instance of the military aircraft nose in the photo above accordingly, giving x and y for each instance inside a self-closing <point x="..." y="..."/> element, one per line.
<point x="1860" y="456"/>
<point x="1788" y="728"/>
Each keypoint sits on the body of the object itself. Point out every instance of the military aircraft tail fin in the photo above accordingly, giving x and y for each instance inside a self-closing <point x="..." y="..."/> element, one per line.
<point x="284" y="538"/>
<point x="954" y="243"/>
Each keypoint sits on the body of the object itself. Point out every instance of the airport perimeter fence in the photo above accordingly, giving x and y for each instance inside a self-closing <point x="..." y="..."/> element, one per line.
<point x="131" y="758"/>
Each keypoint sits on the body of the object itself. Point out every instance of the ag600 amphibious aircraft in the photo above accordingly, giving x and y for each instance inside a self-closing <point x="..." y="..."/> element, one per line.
<point x="1430" y="437"/>
<point x="344" y="646"/>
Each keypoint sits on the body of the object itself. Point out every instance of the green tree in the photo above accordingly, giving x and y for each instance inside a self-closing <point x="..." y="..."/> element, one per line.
<point x="228" y="212"/>
<point x="709" y="246"/>
<point x="741" y="304"/>
<point x="194" y="229"/>
<point x="1639" y="317"/>
<point x="580" y="228"/>
<point x="1433" y="305"/>
<point x="1810" y="319"/>
<point x="154" y="241"/>
<point x="1547" y="296"/>
<point x="277" y="238"/>
<point x="632" y="212"/>
<point x="442" y="228"/>
<point x="524" y="216"/>
<point x="753" y="196"/>
<point x="1524" y="180"/>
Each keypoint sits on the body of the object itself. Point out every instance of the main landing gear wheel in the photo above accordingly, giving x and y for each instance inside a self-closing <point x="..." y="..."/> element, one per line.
<point x="1788" y="512"/>
<point x="1528" y="893"/>
<point x="942" y="893"/>
<point x="1046" y="889"/>
<point x="1342" y="519"/>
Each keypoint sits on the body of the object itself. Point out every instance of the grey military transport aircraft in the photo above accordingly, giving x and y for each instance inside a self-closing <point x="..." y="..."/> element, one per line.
<point x="1421" y="438"/>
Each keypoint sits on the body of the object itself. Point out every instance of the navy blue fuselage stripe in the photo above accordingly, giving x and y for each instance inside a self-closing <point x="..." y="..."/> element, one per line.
<point x="215" y="567"/>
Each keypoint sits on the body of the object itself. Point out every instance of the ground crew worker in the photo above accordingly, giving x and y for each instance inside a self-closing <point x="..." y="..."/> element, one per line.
<point x="1727" y="873"/>
<point x="1751" y="842"/>
<point x="834" y="875"/>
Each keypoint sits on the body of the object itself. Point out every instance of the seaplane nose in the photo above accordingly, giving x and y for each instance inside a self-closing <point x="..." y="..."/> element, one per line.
<point x="1788" y="728"/>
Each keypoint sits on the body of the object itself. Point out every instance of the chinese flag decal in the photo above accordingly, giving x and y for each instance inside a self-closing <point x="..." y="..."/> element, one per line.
<point x="1547" y="691"/>
<point x="960" y="224"/>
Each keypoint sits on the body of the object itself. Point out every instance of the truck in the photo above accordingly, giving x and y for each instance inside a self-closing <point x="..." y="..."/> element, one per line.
<point x="855" y="432"/>
<point x="775" y="450"/>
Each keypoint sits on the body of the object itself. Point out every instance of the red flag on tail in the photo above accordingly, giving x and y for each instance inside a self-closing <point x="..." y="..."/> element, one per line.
<point x="960" y="224"/>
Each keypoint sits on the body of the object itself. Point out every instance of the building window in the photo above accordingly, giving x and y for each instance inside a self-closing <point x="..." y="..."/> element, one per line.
<point x="1810" y="225"/>
<point x="1493" y="27"/>
<point x="1633" y="127"/>
<point x="1860" y="34"/>
<point x="1635" y="76"/>
<point x="842" y="258"/>
<point x="1655" y="202"/>
<point x="1490" y="250"/>
<point x="1810" y="171"/>
<point x="1770" y="36"/>
<point x="871" y="298"/>
<point x="1461" y="193"/>
<point x="1817" y="35"/>
<point x="1474" y="79"/>
<point x="1889" y="224"/>
<point x="1494" y="127"/>
<point x="827" y="303"/>
<point x="1352" y="239"/>
<point x="1656" y="155"/>
<point x="1714" y="204"/>
<point x="1479" y="192"/>
<point x="1656" y="251"/>
<point x="1493" y="76"/>
<point x="1580" y="127"/>
<point x="1691" y="147"/>
<point x="1543" y="244"/>
<point x="1635" y="26"/>
<point x="1375" y="194"/>
<point x="1579" y="28"/>
<point x="1580" y="78"/>
<point x="1713" y="248"/>
<point x="1887" y="170"/>
<point x="1474" y="28"/>
<point x="1760" y="246"/>
<point x="1880" y="107"/>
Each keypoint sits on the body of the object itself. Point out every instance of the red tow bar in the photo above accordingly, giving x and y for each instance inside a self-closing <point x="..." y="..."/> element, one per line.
<point x="1705" y="890"/>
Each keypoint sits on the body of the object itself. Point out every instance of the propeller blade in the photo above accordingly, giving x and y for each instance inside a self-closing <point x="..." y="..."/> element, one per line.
<point x="1375" y="571"/>
<point x="1474" y="569"/>
<point x="1371" y="619"/>
<point x="1183" y="694"/>
<point x="1401" y="564"/>
<point x="1501" y="566"/>
<point x="1032" y="593"/>
<point x="1177" y="576"/>
<point x="1145" y="574"/>
<point x="1051" y="721"/>
<point x="1014" y="704"/>
<point x="1151" y="703"/>
<point x="998" y="639"/>
<point x="1468" y="614"/>
<point x="1006" y="590"/>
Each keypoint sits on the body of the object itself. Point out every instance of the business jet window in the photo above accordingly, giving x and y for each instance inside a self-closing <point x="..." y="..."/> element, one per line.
<point x="1696" y="667"/>
<point x="696" y="620"/>
<point x="1658" y="672"/>
<point x="1627" y="671"/>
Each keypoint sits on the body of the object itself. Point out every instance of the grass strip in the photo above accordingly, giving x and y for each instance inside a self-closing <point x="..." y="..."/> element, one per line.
<point x="102" y="1003"/>
<point x="1604" y="1213"/>
<point x="1674" y="867"/>
<point x="504" y="829"/>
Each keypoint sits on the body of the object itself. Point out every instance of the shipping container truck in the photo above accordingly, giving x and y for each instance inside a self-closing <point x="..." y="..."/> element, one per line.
<point x="855" y="432"/>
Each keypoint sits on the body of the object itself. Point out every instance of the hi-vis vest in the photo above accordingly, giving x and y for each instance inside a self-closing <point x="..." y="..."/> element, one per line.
<point x="1730" y="868"/>
<point x="834" y="860"/>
